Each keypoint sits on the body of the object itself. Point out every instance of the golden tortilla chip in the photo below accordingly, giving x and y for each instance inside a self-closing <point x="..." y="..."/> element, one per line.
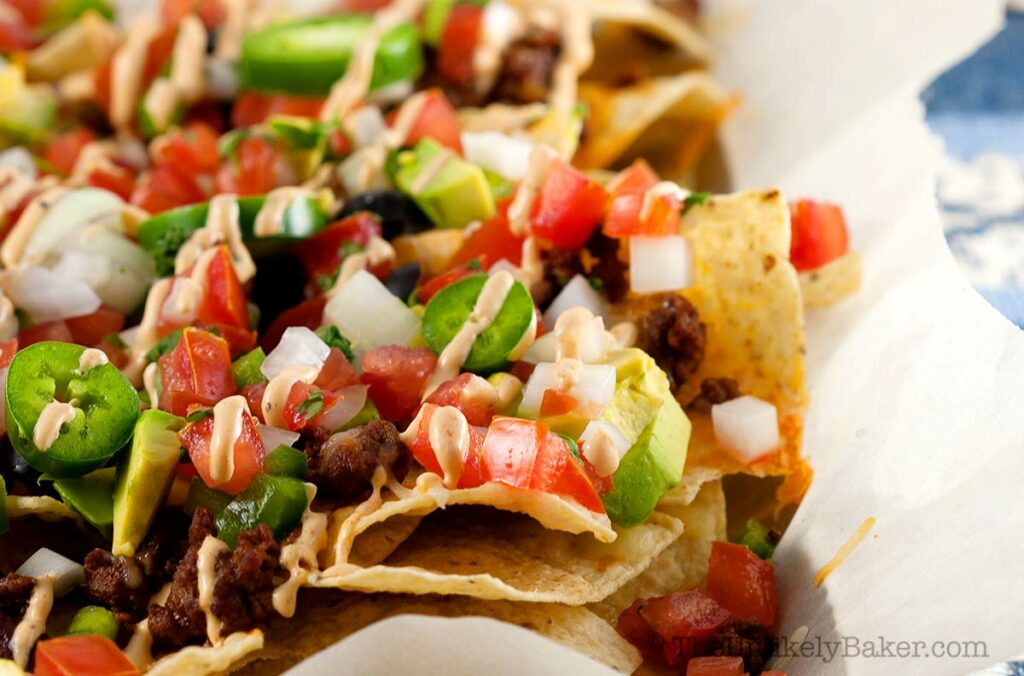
<point x="42" y="507"/>
<point x="832" y="282"/>
<point x="198" y="660"/>
<point x="489" y="554"/>
<point x="650" y="20"/>
<point x="324" y="618"/>
<point x="748" y="295"/>
<point x="684" y="563"/>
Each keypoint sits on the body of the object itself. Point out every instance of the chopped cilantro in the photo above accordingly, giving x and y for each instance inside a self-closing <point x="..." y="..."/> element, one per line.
<point x="325" y="282"/>
<point x="475" y="264"/>
<point x="166" y="344"/>
<point x="115" y="340"/>
<point x="573" y="447"/>
<point x="759" y="539"/>
<point x="312" y="405"/>
<point x="199" y="415"/>
<point x="693" y="200"/>
<point x="332" y="336"/>
<point x="596" y="283"/>
<point x="349" y="248"/>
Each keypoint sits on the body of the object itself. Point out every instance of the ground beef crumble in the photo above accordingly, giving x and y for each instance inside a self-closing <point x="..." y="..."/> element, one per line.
<point x="342" y="465"/>
<point x="674" y="336"/>
<point x="714" y="391"/>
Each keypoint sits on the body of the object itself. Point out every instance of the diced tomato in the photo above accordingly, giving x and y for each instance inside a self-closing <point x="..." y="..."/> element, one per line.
<point x="430" y="288"/>
<point x="396" y="376"/>
<point x="526" y="454"/>
<point x="743" y="583"/>
<point x="341" y="145"/>
<point x="15" y="34"/>
<point x="569" y="207"/>
<point x="463" y="393"/>
<point x="683" y="620"/>
<point x="158" y="53"/>
<point x="627" y="215"/>
<point x="320" y="253"/>
<point x="635" y="629"/>
<point x="254" y="397"/>
<point x="212" y="12"/>
<point x="424" y="452"/>
<point x="192" y="149"/>
<point x="252" y="108"/>
<point x="458" y="43"/>
<point x="362" y="5"/>
<point x="165" y="187"/>
<point x="522" y="370"/>
<point x="224" y="301"/>
<point x="82" y="655"/>
<point x="117" y="355"/>
<point x="295" y="417"/>
<point x="436" y="120"/>
<point x="91" y="329"/>
<point x="308" y="313"/>
<point x="32" y="11"/>
<point x="249" y="453"/>
<point x="255" y="170"/>
<point x="819" y="234"/>
<point x="336" y="372"/>
<point x="37" y="333"/>
<point x="556" y="402"/>
<point x="101" y="82"/>
<point x="117" y="179"/>
<point x="491" y="242"/>
<point x="715" y="666"/>
<point x="196" y="371"/>
<point x="62" y="151"/>
<point x="7" y="350"/>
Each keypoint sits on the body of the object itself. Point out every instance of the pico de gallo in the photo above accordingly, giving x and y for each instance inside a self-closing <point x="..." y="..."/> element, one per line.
<point x="256" y="266"/>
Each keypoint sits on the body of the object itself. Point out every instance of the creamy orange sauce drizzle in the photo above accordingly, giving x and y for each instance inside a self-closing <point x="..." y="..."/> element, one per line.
<point x="51" y="419"/>
<point x="8" y="318"/>
<point x="848" y="548"/>
<point x="221" y="227"/>
<point x="300" y="557"/>
<point x="127" y="71"/>
<point x="146" y="334"/>
<point x="139" y="650"/>
<point x="660" y="189"/>
<point x="377" y="252"/>
<point x="449" y="438"/>
<point x="429" y="172"/>
<point x="97" y="155"/>
<point x="600" y="449"/>
<point x="625" y="334"/>
<point x="270" y="219"/>
<point x="206" y="565"/>
<point x="91" y="358"/>
<point x="33" y="624"/>
<point x="149" y="382"/>
<point x="12" y="250"/>
<point x="227" y="429"/>
<point x="347" y="533"/>
<point x="276" y="395"/>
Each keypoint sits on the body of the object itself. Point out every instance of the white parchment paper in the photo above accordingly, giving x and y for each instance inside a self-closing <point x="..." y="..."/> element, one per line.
<point x="917" y="384"/>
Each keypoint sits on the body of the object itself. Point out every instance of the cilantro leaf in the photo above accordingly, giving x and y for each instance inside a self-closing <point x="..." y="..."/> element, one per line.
<point x="166" y="344"/>
<point x="332" y="336"/>
<point x="312" y="405"/>
<point x="693" y="200"/>
<point x="199" y="415"/>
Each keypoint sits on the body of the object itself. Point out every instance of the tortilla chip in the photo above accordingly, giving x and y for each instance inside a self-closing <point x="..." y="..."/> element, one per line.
<point x="832" y="282"/>
<point x="653" y="118"/>
<point x="42" y="507"/>
<point x="748" y="295"/>
<point x="197" y="660"/>
<point x="653" y="21"/>
<point x="490" y="554"/>
<point x="684" y="563"/>
<point x="324" y="618"/>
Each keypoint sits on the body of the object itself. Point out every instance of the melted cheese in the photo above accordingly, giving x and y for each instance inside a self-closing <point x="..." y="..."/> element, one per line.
<point x="848" y="548"/>
<point x="228" y="424"/>
<point x="377" y="252"/>
<point x="486" y="308"/>
<point x="51" y="419"/>
<point x="276" y="395"/>
<point x="300" y="557"/>
<point x="221" y="227"/>
<point x="91" y="358"/>
<point x="206" y="566"/>
<point x="33" y="624"/>
<point x="449" y="438"/>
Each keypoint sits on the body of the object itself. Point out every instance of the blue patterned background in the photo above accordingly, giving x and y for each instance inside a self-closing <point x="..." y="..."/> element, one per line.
<point x="978" y="108"/>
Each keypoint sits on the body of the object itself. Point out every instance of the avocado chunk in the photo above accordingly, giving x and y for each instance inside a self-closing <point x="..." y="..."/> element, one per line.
<point x="451" y="191"/>
<point x="27" y="112"/>
<point x="91" y="496"/>
<point x="144" y="477"/>
<point x="644" y="409"/>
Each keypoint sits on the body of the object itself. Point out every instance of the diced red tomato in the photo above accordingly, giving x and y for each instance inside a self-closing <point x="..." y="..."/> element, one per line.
<point x="819" y="234"/>
<point x="7" y="350"/>
<point x="683" y="620"/>
<point x="62" y="151"/>
<point x="224" y="301"/>
<point x="491" y="242"/>
<point x="249" y="453"/>
<point x="117" y="179"/>
<point x="458" y="43"/>
<point x="295" y="418"/>
<point x="254" y="171"/>
<point x="337" y="372"/>
<point x="627" y="215"/>
<point x="91" y="329"/>
<point x="165" y="187"/>
<point x="196" y="371"/>
<point x="37" y="333"/>
<point x="117" y="355"/>
<point x="320" y="253"/>
<point x="158" y="53"/>
<point x="252" y="108"/>
<point x="308" y="313"/>
<point x="192" y="149"/>
<point x="32" y="11"/>
<point x="15" y="34"/>
<point x="743" y="583"/>
<point x="396" y="376"/>
<point x="430" y="288"/>
<point x="424" y="452"/>
<point x="715" y="666"/>
<point x="556" y="402"/>
<point x="341" y="145"/>
<point x="212" y="12"/>
<point x="254" y="397"/>
<point x="436" y="120"/>
<point x="526" y="454"/>
<point x="101" y="81"/>
<point x="569" y="207"/>
<point x="362" y="5"/>
<point x="461" y="392"/>
<point x="82" y="655"/>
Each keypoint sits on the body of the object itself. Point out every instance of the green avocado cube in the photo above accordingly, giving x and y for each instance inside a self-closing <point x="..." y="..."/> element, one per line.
<point x="451" y="191"/>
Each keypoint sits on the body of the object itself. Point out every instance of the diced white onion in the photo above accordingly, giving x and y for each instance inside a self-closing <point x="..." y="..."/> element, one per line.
<point x="365" y="125"/>
<point x="73" y="210"/>
<point x="592" y="342"/>
<point x="597" y="439"/>
<point x="501" y="153"/>
<point x="577" y="293"/>
<point x="299" y="346"/>
<point x="544" y="349"/>
<point x="363" y="170"/>
<point x="747" y="427"/>
<point x="222" y="82"/>
<point x="47" y="296"/>
<point x="660" y="263"/>
<point x="275" y="436"/>
<point x="503" y="264"/>
<point x="396" y="92"/>
<point x="3" y="400"/>
<point x="369" y="315"/>
<point x="67" y="574"/>
<point x="20" y="160"/>
<point x="351" y="402"/>
<point x="593" y="390"/>
<point x="131" y="268"/>
<point x="93" y="269"/>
